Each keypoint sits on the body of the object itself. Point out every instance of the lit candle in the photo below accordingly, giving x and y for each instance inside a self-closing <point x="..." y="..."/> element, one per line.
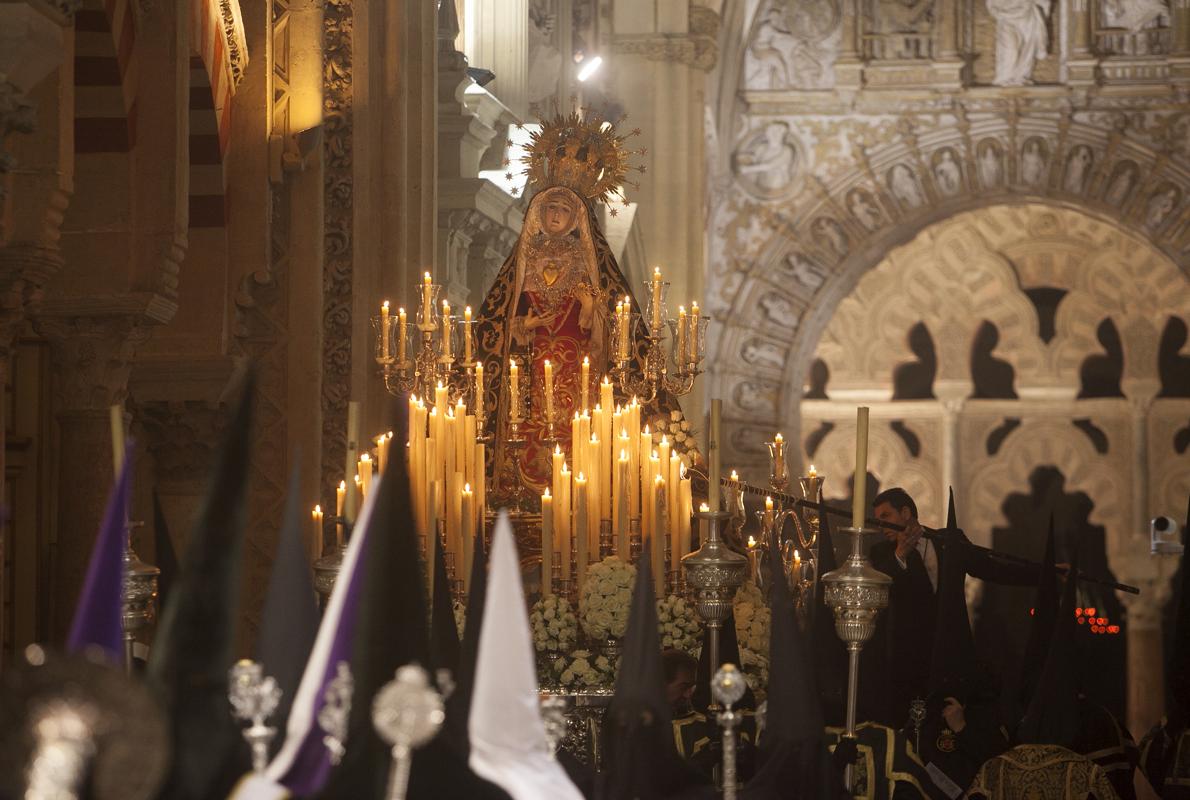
<point x="364" y="470"/>
<point x="340" y="497"/>
<point x="859" y="501"/>
<point x="478" y="400"/>
<point x="514" y="391"/>
<point x="580" y="526"/>
<point x="385" y="329"/>
<point x="693" y="334"/>
<point x="402" y="329"/>
<point x="382" y="451"/>
<point x="768" y="515"/>
<point x="778" y="457"/>
<point x="624" y="328"/>
<point x="467" y="512"/>
<point x="656" y="300"/>
<point x="687" y="508"/>
<point x="680" y="350"/>
<point x="813" y="472"/>
<point x="585" y="383"/>
<point x="446" y="329"/>
<point x="467" y="346"/>
<point x="619" y="328"/>
<point x="596" y="491"/>
<point x="713" y="452"/>
<point x="317" y="514"/>
<point x="549" y="391"/>
<point x="674" y="476"/>
<point x="562" y="511"/>
<point x="623" y="547"/>
<point x="547" y="543"/>
<point x="658" y="535"/>
<point x="427" y="301"/>
<point x="358" y="491"/>
<point x="607" y="400"/>
<point x="481" y="486"/>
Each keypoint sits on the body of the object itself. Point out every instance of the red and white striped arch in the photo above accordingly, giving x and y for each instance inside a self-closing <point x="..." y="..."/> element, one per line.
<point x="217" y="36"/>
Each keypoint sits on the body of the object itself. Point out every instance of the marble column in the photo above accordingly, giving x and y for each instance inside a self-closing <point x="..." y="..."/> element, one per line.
<point x="1142" y="627"/>
<point x="92" y="358"/>
<point x="1081" y="61"/>
<point x="496" y="37"/>
<point x="1180" y="23"/>
<point x="849" y="67"/>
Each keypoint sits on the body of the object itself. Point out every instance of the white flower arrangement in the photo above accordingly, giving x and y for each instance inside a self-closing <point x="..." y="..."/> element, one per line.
<point x="678" y="624"/>
<point x="677" y="429"/>
<point x="605" y="598"/>
<point x="583" y="669"/>
<point x="553" y="624"/>
<point x="753" y="621"/>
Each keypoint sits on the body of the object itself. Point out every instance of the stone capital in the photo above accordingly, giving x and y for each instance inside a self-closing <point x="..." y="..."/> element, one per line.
<point x="182" y="437"/>
<point x="24" y="272"/>
<point x="92" y="358"/>
<point x="1152" y="575"/>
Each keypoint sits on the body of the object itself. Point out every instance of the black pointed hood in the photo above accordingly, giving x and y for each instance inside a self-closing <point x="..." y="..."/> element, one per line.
<point x="953" y="660"/>
<point x="458" y="705"/>
<point x="391" y="629"/>
<point x="444" y="636"/>
<point x="289" y="621"/>
<point x="1179" y="663"/>
<point x="1041" y="625"/>
<point x="165" y="556"/>
<point x="640" y="757"/>
<point x="1053" y="713"/>
<point x="792" y="750"/>
<point x="195" y="641"/>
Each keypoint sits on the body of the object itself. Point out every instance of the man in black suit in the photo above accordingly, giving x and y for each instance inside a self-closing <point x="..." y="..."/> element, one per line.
<point x="913" y="559"/>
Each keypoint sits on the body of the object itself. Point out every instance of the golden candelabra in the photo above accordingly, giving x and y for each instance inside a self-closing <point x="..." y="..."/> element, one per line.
<point x="674" y="372"/>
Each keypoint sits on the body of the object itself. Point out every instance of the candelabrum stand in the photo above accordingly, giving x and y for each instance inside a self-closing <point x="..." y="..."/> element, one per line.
<point x="140" y="594"/>
<point x="856" y="593"/>
<point x="254" y="698"/>
<point x="713" y="573"/>
<point x="326" y="569"/>
<point x="727" y="687"/>
<point x="407" y="712"/>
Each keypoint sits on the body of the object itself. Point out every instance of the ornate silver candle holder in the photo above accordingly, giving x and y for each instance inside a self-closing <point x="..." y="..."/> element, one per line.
<point x="254" y="698"/>
<point x="326" y="569"/>
<point x="140" y="594"/>
<point x="673" y="372"/>
<point x="713" y="573"/>
<point x="407" y="712"/>
<point x="727" y="687"/>
<point x="856" y="593"/>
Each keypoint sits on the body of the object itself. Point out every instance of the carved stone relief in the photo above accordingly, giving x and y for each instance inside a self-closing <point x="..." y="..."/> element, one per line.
<point x="828" y="234"/>
<point x="948" y="175"/>
<point x="1022" y="38"/>
<point x="991" y="163"/>
<point x="904" y="186"/>
<point x="768" y="161"/>
<point x="1160" y="205"/>
<point x="1119" y="188"/>
<point x="1034" y="157"/>
<point x="900" y="29"/>
<point x="863" y="207"/>
<point x="807" y="274"/>
<point x="1078" y="169"/>
<point x="793" y="45"/>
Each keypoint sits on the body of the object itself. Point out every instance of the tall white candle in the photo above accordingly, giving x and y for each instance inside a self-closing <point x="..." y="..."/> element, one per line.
<point x="468" y="515"/>
<point x="547" y="543"/>
<point x="580" y="527"/>
<point x="386" y="324"/>
<point x="859" y="501"/>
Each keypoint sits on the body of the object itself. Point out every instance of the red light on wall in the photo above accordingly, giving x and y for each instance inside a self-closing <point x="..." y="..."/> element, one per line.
<point x="1113" y="628"/>
<point x="1082" y="620"/>
<point x="1090" y="612"/>
<point x="1078" y="612"/>
<point x="1102" y="620"/>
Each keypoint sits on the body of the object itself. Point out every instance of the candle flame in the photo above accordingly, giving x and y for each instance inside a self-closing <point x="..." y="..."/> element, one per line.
<point x="467" y="489"/>
<point x="606" y="382"/>
<point x="664" y="441"/>
<point x="547" y="362"/>
<point x="343" y="485"/>
<point x="586" y="361"/>
<point x="656" y="272"/>
<point x="751" y="541"/>
<point x="317" y="510"/>
<point x="546" y="496"/>
<point x="580" y="477"/>
<point x="384" y="305"/>
<point x="400" y="310"/>
<point x="704" y="508"/>
<point x="426" y="278"/>
<point x="624" y="455"/>
<point x="735" y="476"/>
<point x="557" y="449"/>
<point x="358" y="480"/>
<point x="778" y="438"/>
<point x="365" y="458"/>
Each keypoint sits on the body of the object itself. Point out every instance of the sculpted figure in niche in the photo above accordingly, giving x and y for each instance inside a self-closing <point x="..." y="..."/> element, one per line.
<point x="1161" y="203"/>
<point x="767" y="162"/>
<point x="863" y="208"/>
<point x="750" y="396"/>
<point x="1021" y="39"/>
<point x="904" y="186"/>
<point x="778" y="309"/>
<point x="829" y="234"/>
<point x="794" y="46"/>
<point x="909" y="18"/>
<point x="544" y="59"/>
<point x="801" y="270"/>
<point x="760" y="353"/>
<point x="947" y="173"/>
<point x="1033" y="162"/>
<point x="1133" y="15"/>
<point x="1077" y="167"/>
<point x="1121" y="184"/>
<point x="989" y="163"/>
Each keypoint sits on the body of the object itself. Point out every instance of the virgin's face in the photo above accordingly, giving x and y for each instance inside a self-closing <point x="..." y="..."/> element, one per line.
<point x="557" y="217"/>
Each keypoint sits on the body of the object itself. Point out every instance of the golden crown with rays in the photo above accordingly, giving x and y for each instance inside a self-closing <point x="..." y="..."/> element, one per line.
<point x="583" y="152"/>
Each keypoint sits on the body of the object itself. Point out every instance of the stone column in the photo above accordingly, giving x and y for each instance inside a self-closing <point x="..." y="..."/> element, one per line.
<point x="849" y="67"/>
<point x="1180" y="22"/>
<point x="1081" y="61"/>
<point x="497" y="38"/>
<point x="1142" y="626"/>
<point x="92" y="357"/>
<point x="952" y="398"/>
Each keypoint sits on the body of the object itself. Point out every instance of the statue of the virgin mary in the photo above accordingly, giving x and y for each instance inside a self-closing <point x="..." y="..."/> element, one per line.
<point x="555" y="296"/>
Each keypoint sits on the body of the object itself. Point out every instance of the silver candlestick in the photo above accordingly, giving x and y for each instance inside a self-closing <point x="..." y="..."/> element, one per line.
<point x="713" y="573"/>
<point x="254" y="698"/>
<point x="856" y="593"/>
<point x="407" y="713"/>
<point x="139" y="594"/>
<point x="727" y="687"/>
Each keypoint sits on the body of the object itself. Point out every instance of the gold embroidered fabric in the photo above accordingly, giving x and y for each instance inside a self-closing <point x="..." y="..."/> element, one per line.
<point x="1041" y="772"/>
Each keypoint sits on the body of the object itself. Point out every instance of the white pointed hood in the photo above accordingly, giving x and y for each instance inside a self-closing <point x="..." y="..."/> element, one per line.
<point x="508" y="745"/>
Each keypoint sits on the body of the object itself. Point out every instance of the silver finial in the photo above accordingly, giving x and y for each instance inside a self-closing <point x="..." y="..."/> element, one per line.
<point x="63" y="733"/>
<point x="407" y="713"/>
<point x="254" y="698"/>
<point x="728" y="687"/>
<point x="336" y="711"/>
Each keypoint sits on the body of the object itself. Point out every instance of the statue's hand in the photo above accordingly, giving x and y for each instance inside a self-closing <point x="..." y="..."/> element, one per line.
<point x="532" y="321"/>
